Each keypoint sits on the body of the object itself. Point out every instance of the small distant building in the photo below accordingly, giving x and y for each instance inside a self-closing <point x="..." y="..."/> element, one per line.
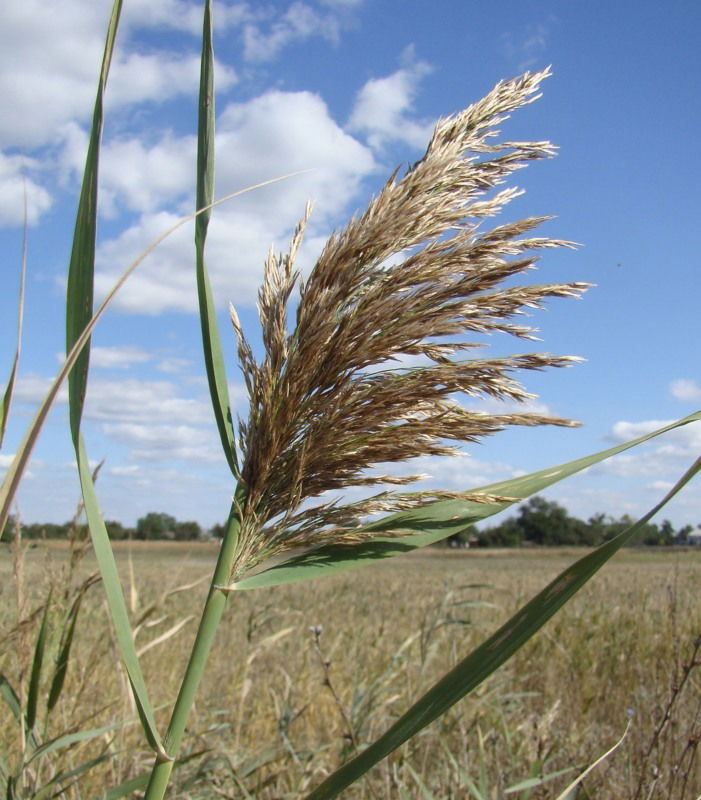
<point x="694" y="538"/>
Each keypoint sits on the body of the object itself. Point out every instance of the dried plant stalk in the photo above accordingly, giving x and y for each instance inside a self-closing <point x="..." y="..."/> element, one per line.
<point x="412" y="276"/>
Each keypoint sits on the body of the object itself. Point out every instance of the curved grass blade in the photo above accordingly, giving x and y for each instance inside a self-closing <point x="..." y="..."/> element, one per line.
<point x="568" y="792"/>
<point x="10" y="697"/>
<point x="50" y="789"/>
<point x="79" y="312"/>
<point x="126" y="788"/>
<point x="35" y="675"/>
<point x="431" y="523"/>
<point x="64" y="649"/>
<point x="80" y="291"/>
<point x="211" y="342"/>
<point x="6" y="399"/>
<point x="490" y="655"/>
<point x="115" y="599"/>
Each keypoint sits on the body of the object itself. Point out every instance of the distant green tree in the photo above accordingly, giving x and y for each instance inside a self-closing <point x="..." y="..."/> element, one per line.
<point x="547" y="523"/>
<point x="117" y="531"/>
<point x="187" y="531"/>
<point x="217" y="530"/>
<point x="156" y="525"/>
<point x="508" y="534"/>
<point x="8" y="532"/>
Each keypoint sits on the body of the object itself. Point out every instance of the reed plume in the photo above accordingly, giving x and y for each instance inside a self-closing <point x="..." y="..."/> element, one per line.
<point x="415" y="276"/>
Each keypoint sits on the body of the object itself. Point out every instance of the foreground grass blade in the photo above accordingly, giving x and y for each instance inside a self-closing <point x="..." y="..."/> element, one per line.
<point x="79" y="313"/>
<point x="65" y="644"/>
<point x="431" y="523"/>
<point x="489" y="656"/>
<point x="35" y="676"/>
<point x="211" y="342"/>
<point x="10" y="697"/>
<point x="6" y="399"/>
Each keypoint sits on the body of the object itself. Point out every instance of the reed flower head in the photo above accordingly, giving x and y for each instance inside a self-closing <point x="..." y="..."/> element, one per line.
<point x="415" y="275"/>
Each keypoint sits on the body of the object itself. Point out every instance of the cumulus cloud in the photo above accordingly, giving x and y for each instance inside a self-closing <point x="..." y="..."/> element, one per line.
<point x="686" y="390"/>
<point x="50" y="55"/>
<point x="270" y="136"/>
<point x="382" y="110"/>
<point x="662" y="457"/>
<point x="15" y="185"/>
<point x="266" y="37"/>
<point x="149" y="442"/>
<point x="138" y="77"/>
<point x="141" y="177"/>
<point x="117" y="357"/>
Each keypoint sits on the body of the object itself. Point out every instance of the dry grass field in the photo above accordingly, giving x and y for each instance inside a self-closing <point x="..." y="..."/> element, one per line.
<point x="302" y="675"/>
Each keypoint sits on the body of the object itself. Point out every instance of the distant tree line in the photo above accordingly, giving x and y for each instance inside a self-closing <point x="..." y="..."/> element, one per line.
<point x="538" y="522"/>
<point x="155" y="525"/>
<point x="543" y="522"/>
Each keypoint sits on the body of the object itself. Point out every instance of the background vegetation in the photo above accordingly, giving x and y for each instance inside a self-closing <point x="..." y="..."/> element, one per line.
<point x="326" y="666"/>
<point x="538" y="522"/>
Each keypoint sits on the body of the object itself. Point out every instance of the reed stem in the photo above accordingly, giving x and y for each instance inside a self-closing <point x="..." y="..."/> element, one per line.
<point x="211" y="616"/>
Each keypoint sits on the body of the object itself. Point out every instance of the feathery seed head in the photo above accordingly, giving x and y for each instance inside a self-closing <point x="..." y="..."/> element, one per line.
<point x="411" y="271"/>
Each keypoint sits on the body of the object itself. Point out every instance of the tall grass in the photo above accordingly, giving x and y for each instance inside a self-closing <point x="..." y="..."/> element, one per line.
<point x="416" y="274"/>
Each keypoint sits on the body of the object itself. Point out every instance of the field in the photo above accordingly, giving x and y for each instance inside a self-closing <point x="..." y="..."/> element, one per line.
<point x="302" y="675"/>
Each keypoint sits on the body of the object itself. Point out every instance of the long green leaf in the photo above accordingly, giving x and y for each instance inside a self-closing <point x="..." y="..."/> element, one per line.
<point x="126" y="788"/>
<point x="489" y="656"/>
<point x="115" y="599"/>
<point x="431" y="523"/>
<point x="35" y="675"/>
<point x="6" y="399"/>
<point x="64" y="649"/>
<point x="79" y="313"/>
<point x="211" y="342"/>
<point x="9" y="695"/>
<point x="69" y="739"/>
<point x="49" y="789"/>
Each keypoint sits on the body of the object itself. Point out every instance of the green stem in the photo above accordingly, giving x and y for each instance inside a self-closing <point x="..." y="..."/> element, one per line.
<point x="211" y="616"/>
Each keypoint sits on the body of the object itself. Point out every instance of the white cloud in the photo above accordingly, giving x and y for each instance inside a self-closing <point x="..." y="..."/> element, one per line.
<point x="270" y="136"/>
<point x="662" y="457"/>
<point x="624" y="431"/>
<point x="143" y="178"/>
<point x="138" y="77"/>
<point x="14" y="184"/>
<point x="152" y="442"/>
<point x="6" y="460"/>
<point x="173" y="365"/>
<point x="686" y="390"/>
<point x="117" y="357"/>
<point x="383" y="106"/>
<point x="265" y="38"/>
<point x="135" y="401"/>
<point x="50" y="55"/>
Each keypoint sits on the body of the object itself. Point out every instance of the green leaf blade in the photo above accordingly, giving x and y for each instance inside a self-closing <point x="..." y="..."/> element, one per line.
<point x="35" y="675"/>
<point x="211" y="341"/>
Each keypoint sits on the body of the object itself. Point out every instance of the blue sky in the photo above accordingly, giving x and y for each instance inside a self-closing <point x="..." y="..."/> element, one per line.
<point x="349" y="89"/>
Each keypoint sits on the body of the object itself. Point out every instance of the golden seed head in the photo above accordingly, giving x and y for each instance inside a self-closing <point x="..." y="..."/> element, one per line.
<point x="410" y="277"/>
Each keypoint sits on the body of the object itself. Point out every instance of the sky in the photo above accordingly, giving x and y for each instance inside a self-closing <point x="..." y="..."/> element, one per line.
<point x="348" y="90"/>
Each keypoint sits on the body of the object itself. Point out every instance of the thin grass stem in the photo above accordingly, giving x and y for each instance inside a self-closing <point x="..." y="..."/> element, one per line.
<point x="211" y="616"/>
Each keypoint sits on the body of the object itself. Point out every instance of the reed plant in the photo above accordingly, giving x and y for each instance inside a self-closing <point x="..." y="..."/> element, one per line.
<point x="417" y="275"/>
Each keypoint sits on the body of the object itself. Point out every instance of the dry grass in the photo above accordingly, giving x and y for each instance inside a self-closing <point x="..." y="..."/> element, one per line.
<point x="300" y="699"/>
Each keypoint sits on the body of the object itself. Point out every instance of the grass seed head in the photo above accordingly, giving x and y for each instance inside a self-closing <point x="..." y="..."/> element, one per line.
<point x="412" y="277"/>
